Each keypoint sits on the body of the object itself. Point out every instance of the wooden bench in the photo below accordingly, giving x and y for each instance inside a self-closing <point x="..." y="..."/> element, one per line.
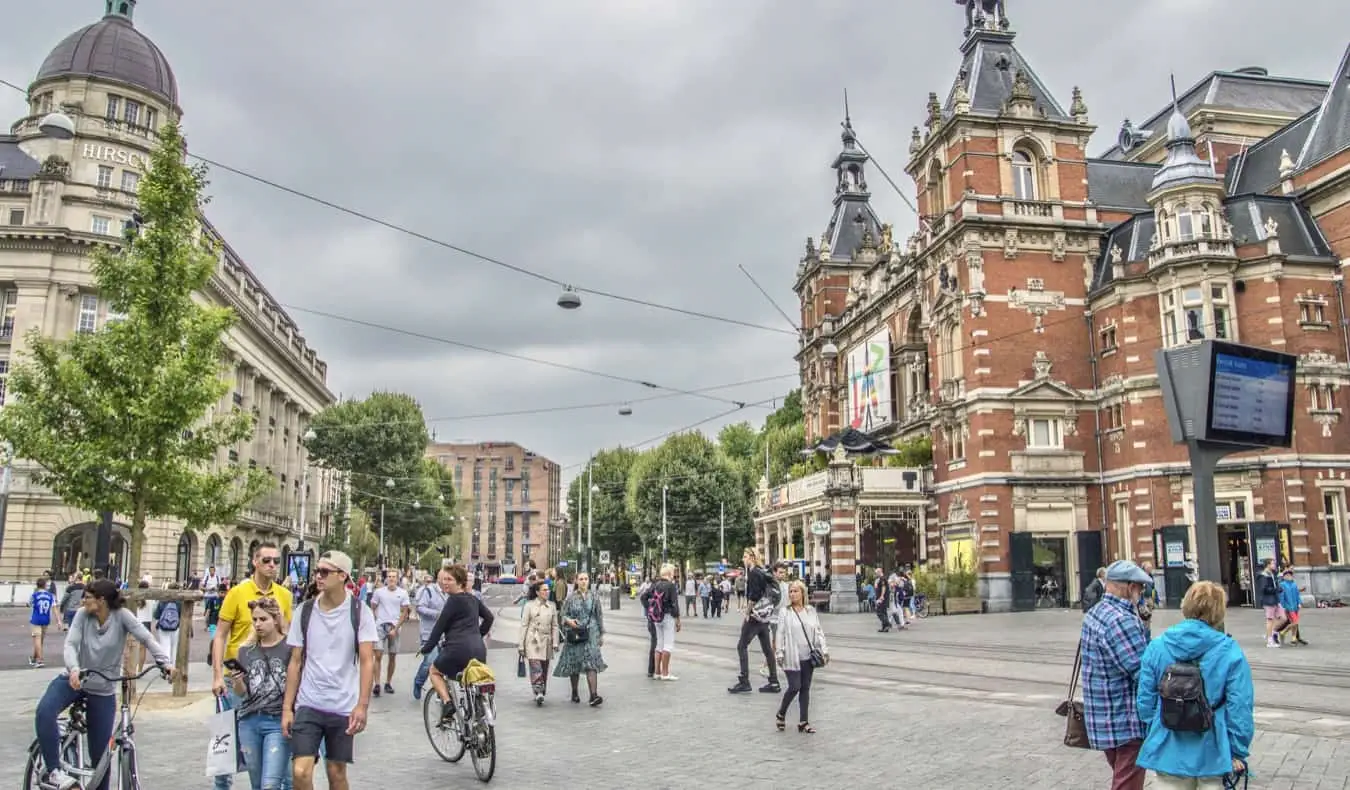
<point x="821" y="600"/>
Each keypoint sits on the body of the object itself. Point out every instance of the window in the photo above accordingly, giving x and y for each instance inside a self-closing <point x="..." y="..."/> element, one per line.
<point x="1170" y="322"/>
<point x="1123" y="529"/>
<point x="151" y="120"/>
<point x="1185" y="224"/>
<point x="1196" y="312"/>
<point x="956" y="443"/>
<point x="44" y="103"/>
<point x="1218" y="297"/>
<point x="100" y="225"/>
<point x="1024" y="176"/>
<point x="1333" y="515"/>
<point x="133" y="113"/>
<point x="1044" y="433"/>
<point x="16" y="216"/>
<point x="4" y="379"/>
<point x="1312" y="310"/>
<point x="112" y="316"/>
<point x="9" y="304"/>
<point x="114" y="107"/>
<point x="1322" y="397"/>
<point x="88" y="320"/>
<point x="105" y="176"/>
<point x="130" y="181"/>
<point x="1108" y="339"/>
<point x="1113" y="417"/>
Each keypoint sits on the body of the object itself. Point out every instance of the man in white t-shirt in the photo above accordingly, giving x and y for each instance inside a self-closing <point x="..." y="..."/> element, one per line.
<point x="332" y="641"/>
<point x="392" y="608"/>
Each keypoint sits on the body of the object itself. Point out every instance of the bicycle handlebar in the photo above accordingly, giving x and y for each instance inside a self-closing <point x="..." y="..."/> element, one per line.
<point x="84" y="673"/>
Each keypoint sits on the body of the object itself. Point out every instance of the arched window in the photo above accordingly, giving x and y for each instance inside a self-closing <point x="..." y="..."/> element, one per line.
<point x="1185" y="223"/>
<point x="937" y="191"/>
<point x="1024" y="175"/>
<point x="183" y="565"/>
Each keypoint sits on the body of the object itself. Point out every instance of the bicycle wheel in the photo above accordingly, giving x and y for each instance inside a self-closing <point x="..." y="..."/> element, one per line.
<point x="444" y="736"/>
<point x="130" y="778"/>
<point x="923" y="609"/>
<point x="484" y="749"/>
<point x="72" y="759"/>
<point x="32" y="772"/>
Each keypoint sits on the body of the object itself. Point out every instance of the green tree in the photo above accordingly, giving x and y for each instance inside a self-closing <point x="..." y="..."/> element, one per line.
<point x="787" y="415"/>
<point x="612" y="525"/>
<point x="376" y="439"/>
<point x="699" y="480"/>
<point x="337" y="536"/>
<point x="418" y="510"/>
<point x="122" y="419"/>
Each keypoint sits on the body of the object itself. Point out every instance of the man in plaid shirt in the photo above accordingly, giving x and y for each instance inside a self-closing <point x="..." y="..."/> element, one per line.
<point x="1113" y="641"/>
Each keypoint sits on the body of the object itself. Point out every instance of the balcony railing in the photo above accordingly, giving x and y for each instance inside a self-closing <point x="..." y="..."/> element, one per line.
<point x="1030" y="209"/>
<point x="876" y="481"/>
<point x="1192" y="248"/>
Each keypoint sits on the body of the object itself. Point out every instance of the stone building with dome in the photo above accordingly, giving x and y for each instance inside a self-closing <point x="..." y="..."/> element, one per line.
<point x="62" y="199"/>
<point x="1016" y="329"/>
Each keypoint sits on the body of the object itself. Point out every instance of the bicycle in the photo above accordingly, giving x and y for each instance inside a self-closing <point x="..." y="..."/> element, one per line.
<point x="1048" y="595"/>
<point x="920" y="605"/>
<point x="74" y="755"/>
<point x="477" y="735"/>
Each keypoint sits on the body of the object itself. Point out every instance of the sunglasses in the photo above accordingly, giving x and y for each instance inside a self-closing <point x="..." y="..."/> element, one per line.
<point x="323" y="573"/>
<point x="254" y="604"/>
<point x="270" y="560"/>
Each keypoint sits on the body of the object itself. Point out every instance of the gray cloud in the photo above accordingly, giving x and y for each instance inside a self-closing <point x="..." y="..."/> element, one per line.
<point x="646" y="149"/>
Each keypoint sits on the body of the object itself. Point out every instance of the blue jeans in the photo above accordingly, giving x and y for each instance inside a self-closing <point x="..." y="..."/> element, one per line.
<point x="100" y="715"/>
<point x="266" y="750"/>
<point x="423" y="672"/>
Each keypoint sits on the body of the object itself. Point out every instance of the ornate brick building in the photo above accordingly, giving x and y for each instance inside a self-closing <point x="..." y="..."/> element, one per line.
<point x="1017" y="327"/>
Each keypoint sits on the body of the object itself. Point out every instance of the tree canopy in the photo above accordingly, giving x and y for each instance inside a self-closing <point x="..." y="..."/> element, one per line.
<point x="126" y="418"/>
<point x="697" y="481"/>
<point x="612" y="524"/>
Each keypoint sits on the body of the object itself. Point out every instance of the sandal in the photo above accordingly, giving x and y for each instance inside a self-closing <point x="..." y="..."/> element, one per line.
<point x="780" y="720"/>
<point x="806" y="728"/>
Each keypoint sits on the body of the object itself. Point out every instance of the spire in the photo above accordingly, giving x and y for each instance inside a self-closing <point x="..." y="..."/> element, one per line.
<point x="124" y="9"/>
<point x="848" y="165"/>
<point x="853" y="218"/>
<point x="1183" y="163"/>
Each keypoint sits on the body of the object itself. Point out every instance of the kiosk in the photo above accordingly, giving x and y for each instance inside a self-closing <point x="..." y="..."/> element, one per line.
<point x="1221" y="398"/>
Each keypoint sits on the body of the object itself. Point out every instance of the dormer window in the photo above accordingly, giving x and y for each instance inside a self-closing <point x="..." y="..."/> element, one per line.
<point x="1185" y="224"/>
<point x="1194" y="312"/>
<point x="1024" y="175"/>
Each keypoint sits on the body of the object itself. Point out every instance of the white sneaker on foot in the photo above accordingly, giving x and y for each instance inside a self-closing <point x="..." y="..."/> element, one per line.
<point x="60" y="780"/>
<point x="669" y="677"/>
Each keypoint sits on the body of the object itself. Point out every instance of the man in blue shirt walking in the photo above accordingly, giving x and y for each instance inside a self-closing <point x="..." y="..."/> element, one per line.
<point x="1113" y="641"/>
<point x="42" y="602"/>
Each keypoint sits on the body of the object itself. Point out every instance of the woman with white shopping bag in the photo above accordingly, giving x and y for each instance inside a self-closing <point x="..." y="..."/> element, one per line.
<point x="259" y="679"/>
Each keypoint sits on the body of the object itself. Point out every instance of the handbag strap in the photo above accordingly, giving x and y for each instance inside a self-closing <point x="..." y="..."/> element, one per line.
<point x="802" y="623"/>
<point x="1077" y="667"/>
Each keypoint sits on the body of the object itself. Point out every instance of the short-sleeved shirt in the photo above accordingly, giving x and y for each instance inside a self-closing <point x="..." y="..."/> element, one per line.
<point x="389" y="604"/>
<point x="42" y="602"/>
<point x="330" y="681"/>
<point x="264" y="677"/>
<point x="235" y="609"/>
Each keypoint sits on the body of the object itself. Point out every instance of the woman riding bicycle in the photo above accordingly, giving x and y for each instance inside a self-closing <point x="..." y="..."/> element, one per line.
<point x="96" y="640"/>
<point x="460" y="632"/>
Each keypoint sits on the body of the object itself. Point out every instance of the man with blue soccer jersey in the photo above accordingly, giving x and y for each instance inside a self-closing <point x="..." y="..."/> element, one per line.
<point x="41" y="602"/>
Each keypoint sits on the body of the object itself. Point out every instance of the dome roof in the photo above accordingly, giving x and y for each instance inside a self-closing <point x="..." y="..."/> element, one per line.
<point x="113" y="49"/>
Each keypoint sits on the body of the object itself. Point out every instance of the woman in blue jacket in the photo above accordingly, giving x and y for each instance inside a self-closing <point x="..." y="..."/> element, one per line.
<point x="1198" y="759"/>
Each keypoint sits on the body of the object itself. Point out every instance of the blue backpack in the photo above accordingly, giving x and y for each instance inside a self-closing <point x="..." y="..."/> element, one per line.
<point x="168" y="616"/>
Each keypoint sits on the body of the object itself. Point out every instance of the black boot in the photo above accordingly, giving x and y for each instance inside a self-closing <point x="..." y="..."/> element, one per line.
<point x="742" y="687"/>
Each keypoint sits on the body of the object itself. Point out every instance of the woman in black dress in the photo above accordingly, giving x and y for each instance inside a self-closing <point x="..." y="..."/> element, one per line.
<point x="460" y="632"/>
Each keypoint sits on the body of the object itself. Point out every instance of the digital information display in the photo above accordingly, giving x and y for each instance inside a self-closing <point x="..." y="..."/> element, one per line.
<point x="1250" y="396"/>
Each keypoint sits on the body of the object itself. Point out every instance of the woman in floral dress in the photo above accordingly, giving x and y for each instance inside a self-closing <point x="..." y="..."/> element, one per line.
<point x="539" y="637"/>
<point x="583" y="631"/>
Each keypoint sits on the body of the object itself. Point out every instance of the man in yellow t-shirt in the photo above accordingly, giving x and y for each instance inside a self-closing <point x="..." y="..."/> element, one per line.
<point x="235" y="620"/>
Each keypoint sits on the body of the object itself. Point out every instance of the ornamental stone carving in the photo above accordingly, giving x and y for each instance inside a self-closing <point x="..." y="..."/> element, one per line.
<point x="957" y="510"/>
<point x="1318" y="359"/>
<point x="1041" y="364"/>
<point x="1117" y="254"/>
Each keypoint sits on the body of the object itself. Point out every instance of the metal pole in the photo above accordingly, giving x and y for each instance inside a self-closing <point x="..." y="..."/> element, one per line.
<point x="723" y="530"/>
<point x="103" y="543"/>
<point x="590" y="509"/>
<point x="664" y="490"/>
<point x="5" y="477"/>
<point x="304" y="491"/>
<point x="382" y="540"/>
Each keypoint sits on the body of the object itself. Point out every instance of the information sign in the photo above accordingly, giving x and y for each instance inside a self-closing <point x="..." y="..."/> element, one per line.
<point x="1250" y="397"/>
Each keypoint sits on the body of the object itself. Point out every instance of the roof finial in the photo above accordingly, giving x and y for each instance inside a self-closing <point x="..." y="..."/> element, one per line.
<point x="1175" y="104"/>
<point x="848" y="135"/>
<point x="848" y="121"/>
<point x="124" y="9"/>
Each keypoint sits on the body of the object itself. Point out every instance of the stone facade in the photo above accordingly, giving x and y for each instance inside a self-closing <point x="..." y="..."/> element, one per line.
<point x="1023" y="316"/>
<point x="74" y="197"/>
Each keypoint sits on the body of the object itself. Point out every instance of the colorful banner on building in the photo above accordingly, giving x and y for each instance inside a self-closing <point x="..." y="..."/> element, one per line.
<point x="869" y="383"/>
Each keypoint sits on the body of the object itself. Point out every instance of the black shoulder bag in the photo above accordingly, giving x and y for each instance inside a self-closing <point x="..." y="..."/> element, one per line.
<point x="580" y="634"/>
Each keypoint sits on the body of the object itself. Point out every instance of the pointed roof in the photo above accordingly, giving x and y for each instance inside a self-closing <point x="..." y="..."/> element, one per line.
<point x="1183" y="164"/>
<point x="853" y="217"/>
<point x="989" y="69"/>
<point x="1330" y="132"/>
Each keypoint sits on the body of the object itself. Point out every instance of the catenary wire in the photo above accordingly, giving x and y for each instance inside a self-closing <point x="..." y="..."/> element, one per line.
<point x="390" y="225"/>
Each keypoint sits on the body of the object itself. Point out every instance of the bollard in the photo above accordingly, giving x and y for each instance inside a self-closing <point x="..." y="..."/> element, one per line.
<point x="614" y="596"/>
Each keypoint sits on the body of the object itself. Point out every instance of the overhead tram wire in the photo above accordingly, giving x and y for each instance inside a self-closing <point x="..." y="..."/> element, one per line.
<point x="390" y="225"/>
<point x="518" y="357"/>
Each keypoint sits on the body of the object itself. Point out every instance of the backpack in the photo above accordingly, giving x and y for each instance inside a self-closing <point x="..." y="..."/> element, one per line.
<point x="168" y="616"/>
<point x="307" y="612"/>
<point x="656" y="603"/>
<point x="1181" y="690"/>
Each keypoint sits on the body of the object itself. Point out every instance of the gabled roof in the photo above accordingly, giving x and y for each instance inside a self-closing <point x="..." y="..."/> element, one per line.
<point x="1330" y="132"/>
<point x="14" y="163"/>
<point x="1246" y="89"/>
<point x="989" y="66"/>
<point x="1257" y="170"/>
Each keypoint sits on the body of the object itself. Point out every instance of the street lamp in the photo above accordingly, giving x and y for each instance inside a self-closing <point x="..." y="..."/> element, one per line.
<point x="388" y="484"/>
<point x="664" y="490"/>
<point x="569" y="299"/>
<point x="591" y="490"/>
<point x="58" y="126"/>
<point x="6" y="463"/>
<point x="309" y="436"/>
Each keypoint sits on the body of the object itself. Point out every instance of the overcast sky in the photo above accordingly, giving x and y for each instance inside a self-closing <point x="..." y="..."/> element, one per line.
<point x="643" y="148"/>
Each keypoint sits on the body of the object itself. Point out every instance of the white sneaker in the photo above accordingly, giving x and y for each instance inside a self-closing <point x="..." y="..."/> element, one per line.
<point x="669" y="677"/>
<point x="1272" y="643"/>
<point x="60" y="780"/>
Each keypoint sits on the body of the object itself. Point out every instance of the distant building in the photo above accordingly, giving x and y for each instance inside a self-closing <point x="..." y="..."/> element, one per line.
<point x="509" y="498"/>
<point x="1016" y="329"/>
<point x="59" y="200"/>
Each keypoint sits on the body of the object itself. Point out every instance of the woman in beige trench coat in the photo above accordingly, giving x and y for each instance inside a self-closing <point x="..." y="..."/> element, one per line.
<point x="539" y="637"/>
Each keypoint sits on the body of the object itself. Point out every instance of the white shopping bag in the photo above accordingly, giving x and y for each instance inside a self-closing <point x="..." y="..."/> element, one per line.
<point x="223" y="755"/>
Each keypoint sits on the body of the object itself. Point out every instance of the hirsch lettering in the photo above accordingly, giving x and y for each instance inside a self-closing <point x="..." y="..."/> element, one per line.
<point x="111" y="153"/>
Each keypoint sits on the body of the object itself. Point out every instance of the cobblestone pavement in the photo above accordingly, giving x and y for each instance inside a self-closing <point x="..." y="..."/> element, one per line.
<point x="950" y="703"/>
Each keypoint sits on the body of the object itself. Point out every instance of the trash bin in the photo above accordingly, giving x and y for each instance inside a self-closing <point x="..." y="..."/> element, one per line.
<point x="614" y="595"/>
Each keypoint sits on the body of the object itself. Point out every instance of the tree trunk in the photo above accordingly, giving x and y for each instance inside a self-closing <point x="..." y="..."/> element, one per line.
<point x="137" y="543"/>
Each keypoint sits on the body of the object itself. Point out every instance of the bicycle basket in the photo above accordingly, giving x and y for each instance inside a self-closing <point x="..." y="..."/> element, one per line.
<point x="476" y="673"/>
